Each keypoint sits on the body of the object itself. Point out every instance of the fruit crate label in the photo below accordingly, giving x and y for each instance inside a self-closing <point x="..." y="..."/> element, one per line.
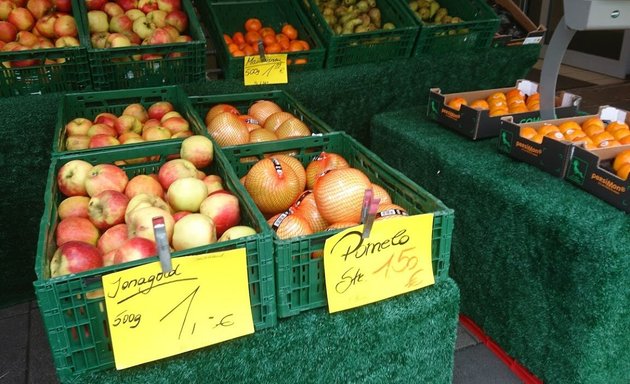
<point x="270" y="70"/>
<point x="203" y="300"/>
<point x="394" y="259"/>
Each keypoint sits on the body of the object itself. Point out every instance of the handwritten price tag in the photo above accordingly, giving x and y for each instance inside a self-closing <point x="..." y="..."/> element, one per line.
<point x="204" y="300"/>
<point x="271" y="71"/>
<point x="394" y="259"/>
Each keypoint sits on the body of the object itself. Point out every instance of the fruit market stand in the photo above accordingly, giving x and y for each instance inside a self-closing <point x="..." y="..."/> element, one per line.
<point x="522" y="312"/>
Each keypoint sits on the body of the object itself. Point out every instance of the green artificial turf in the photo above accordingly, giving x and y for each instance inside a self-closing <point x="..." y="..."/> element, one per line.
<point x="346" y="98"/>
<point x="409" y="338"/>
<point x="543" y="266"/>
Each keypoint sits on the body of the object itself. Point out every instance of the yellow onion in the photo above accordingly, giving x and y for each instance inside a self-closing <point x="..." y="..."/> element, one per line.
<point x="259" y="135"/>
<point x="389" y="210"/>
<point x="262" y="109"/>
<point x="273" y="185"/>
<point x="381" y="193"/>
<point x="275" y="119"/>
<point x="306" y="207"/>
<point x="297" y="167"/>
<point x="339" y="194"/>
<point x="322" y="163"/>
<point x="226" y="129"/>
<point x="288" y="225"/>
<point x="220" y="108"/>
<point x="292" y="128"/>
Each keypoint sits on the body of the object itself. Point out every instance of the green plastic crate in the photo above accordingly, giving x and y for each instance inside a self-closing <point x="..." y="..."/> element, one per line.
<point x="228" y="17"/>
<point x="300" y="280"/>
<point x="367" y="47"/>
<point x="73" y="74"/>
<point x="74" y="316"/>
<point x="90" y="104"/>
<point x="116" y="68"/>
<point x="242" y="101"/>
<point x="476" y="31"/>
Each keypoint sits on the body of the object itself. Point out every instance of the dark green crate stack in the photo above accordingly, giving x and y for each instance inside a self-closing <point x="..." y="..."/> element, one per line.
<point x="366" y="47"/>
<point x="72" y="306"/>
<point x="228" y="17"/>
<point x="476" y="31"/>
<point x="53" y="69"/>
<point x="120" y="68"/>
<point x="300" y="280"/>
<point x="242" y="102"/>
<point x="90" y="104"/>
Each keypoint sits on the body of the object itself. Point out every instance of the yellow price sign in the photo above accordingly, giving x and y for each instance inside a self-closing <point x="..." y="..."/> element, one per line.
<point x="273" y="70"/>
<point x="394" y="259"/>
<point x="204" y="300"/>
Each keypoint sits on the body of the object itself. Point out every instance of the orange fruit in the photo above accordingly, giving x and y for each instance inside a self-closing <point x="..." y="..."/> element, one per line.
<point x="227" y="38"/>
<point x="268" y="39"/>
<point x="300" y="61"/>
<point x="593" y="120"/>
<point x="537" y="138"/>
<point x="622" y="158"/>
<point x="569" y="126"/>
<point x="238" y="53"/>
<point x="288" y="225"/>
<point x="305" y="45"/>
<point x="456" y="103"/>
<point x="479" y="104"/>
<point x="613" y="126"/>
<point x="515" y="93"/>
<point x="624" y="140"/>
<point x="273" y="48"/>
<point x="621" y="133"/>
<point x="592" y="129"/>
<point x="252" y="37"/>
<point x="519" y="109"/>
<point x="273" y="185"/>
<point x="624" y="171"/>
<point x="533" y="97"/>
<point x="534" y="106"/>
<point x="306" y="207"/>
<point x="498" y="112"/>
<point x="574" y="135"/>
<point x="497" y="103"/>
<point x="496" y="96"/>
<point x="608" y="144"/>
<point x="602" y="137"/>
<point x="267" y="31"/>
<point x="238" y="38"/>
<point x="249" y="50"/>
<point x="253" y="24"/>
<point x="556" y="135"/>
<point x="546" y="128"/>
<point x="290" y="31"/>
<point x="295" y="46"/>
<point x="232" y="47"/>
<point x="527" y="132"/>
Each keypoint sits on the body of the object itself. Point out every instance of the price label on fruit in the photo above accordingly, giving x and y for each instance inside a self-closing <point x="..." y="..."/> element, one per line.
<point x="152" y="314"/>
<point x="394" y="259"/>
<point x="268" y="69"/>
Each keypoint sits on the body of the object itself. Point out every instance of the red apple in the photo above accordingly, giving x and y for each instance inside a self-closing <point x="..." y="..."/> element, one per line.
<point x="147" y="6"/>
<point x="193" y="230"/>
<point x="138" y="111"/>
<point x="223" y="208"/>
<point x="144" y="184"/>
<point x="182" y="134"/>
<point x="108" y="258"/>
<point x="158" y="109"/>
<point x="97" y="21"/>
<point x="106" y="118"/>
<point x="144" y="200"/>
<point x="186" y="194"/>
<point x="133" y="136"/>
<point x="67" y="41"/>
<point x="22" y="18"/>
<point x="127" y="123"/>
<point x="73" y="206"/>
<point x="158" y="36"/>
<point x="135" y="249"/>
<point x="78" y="126"/>
<point x="76" y="228"/>
<point x="200" y="174"/>
<point x="143" y="27"/>
<point x="179" y="215"/>
<point x="133" y="37"/>
<point x="175" y="169"/>
<point x="99" y="39"/>
<point x="183" y="39"/>
<point x="140" y="223"/>
<point x="65" y="25"/>
<point x="120" y="23"/>
<point x="134" y="13"/>
<point x="39" y="8"/>
<point x="25" y="62"/>
<point x="101" y="140"/>
<point x="157" y="18"/>
<point x="64" y="6"/>
<point x="155" y="133"/>
<point x="112" y="9"/>
<point x="177" y="19"/>
<point x="176" y="124"/>
<point x="151" y="123"/>
<point x="117" y="40"/>
<point x="6" y="6"/>
<point x="213" y="183"/>
<point x="77" y="142"/>
<point x="127" y="4"/>
<point x="8" y="32"/>
<point x="174" y="34"/>
<point x="71" y="177"/>
<point x="103" y="177"/>
<point x="27" y="39"/>
<point x="112" y="238"/>
<point x="44" y="43"/>
<point x="236" y="232"/>
<point x="169" y="5"/>
<point x="75" y="257"/>
<point x="95" y="4"/>
<point x="101" y="129"/>
<point x="107" y="208"/>
<point x="197" y="149"/>
<point x="170" y="114"/>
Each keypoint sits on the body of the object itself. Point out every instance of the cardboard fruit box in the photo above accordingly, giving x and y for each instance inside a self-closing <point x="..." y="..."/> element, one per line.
<point x="550" y="155"/>
<point x="535" y="34"/>
<point x="478" y="124"/>
<point x="73" y="307"/>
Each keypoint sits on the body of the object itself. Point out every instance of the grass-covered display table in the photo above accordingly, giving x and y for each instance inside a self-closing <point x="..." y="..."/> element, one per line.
<point x="543" y="267"/>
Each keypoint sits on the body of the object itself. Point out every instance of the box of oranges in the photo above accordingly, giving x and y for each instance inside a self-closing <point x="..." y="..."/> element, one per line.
<point x="477" y="114"/>
<point x="549" y="144"/>
<point x="280" y="26"/>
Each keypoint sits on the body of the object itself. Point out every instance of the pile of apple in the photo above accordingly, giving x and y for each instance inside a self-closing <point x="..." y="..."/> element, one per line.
<point x="136" y="124"/>
<point x="264" y="121"/>
<point x="126" y="23"/>
<point x="105" y="217"/>
<point x="36" y="24"/>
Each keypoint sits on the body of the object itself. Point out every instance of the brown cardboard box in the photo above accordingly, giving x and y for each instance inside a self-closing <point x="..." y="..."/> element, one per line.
<point x="535" y="33"/>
